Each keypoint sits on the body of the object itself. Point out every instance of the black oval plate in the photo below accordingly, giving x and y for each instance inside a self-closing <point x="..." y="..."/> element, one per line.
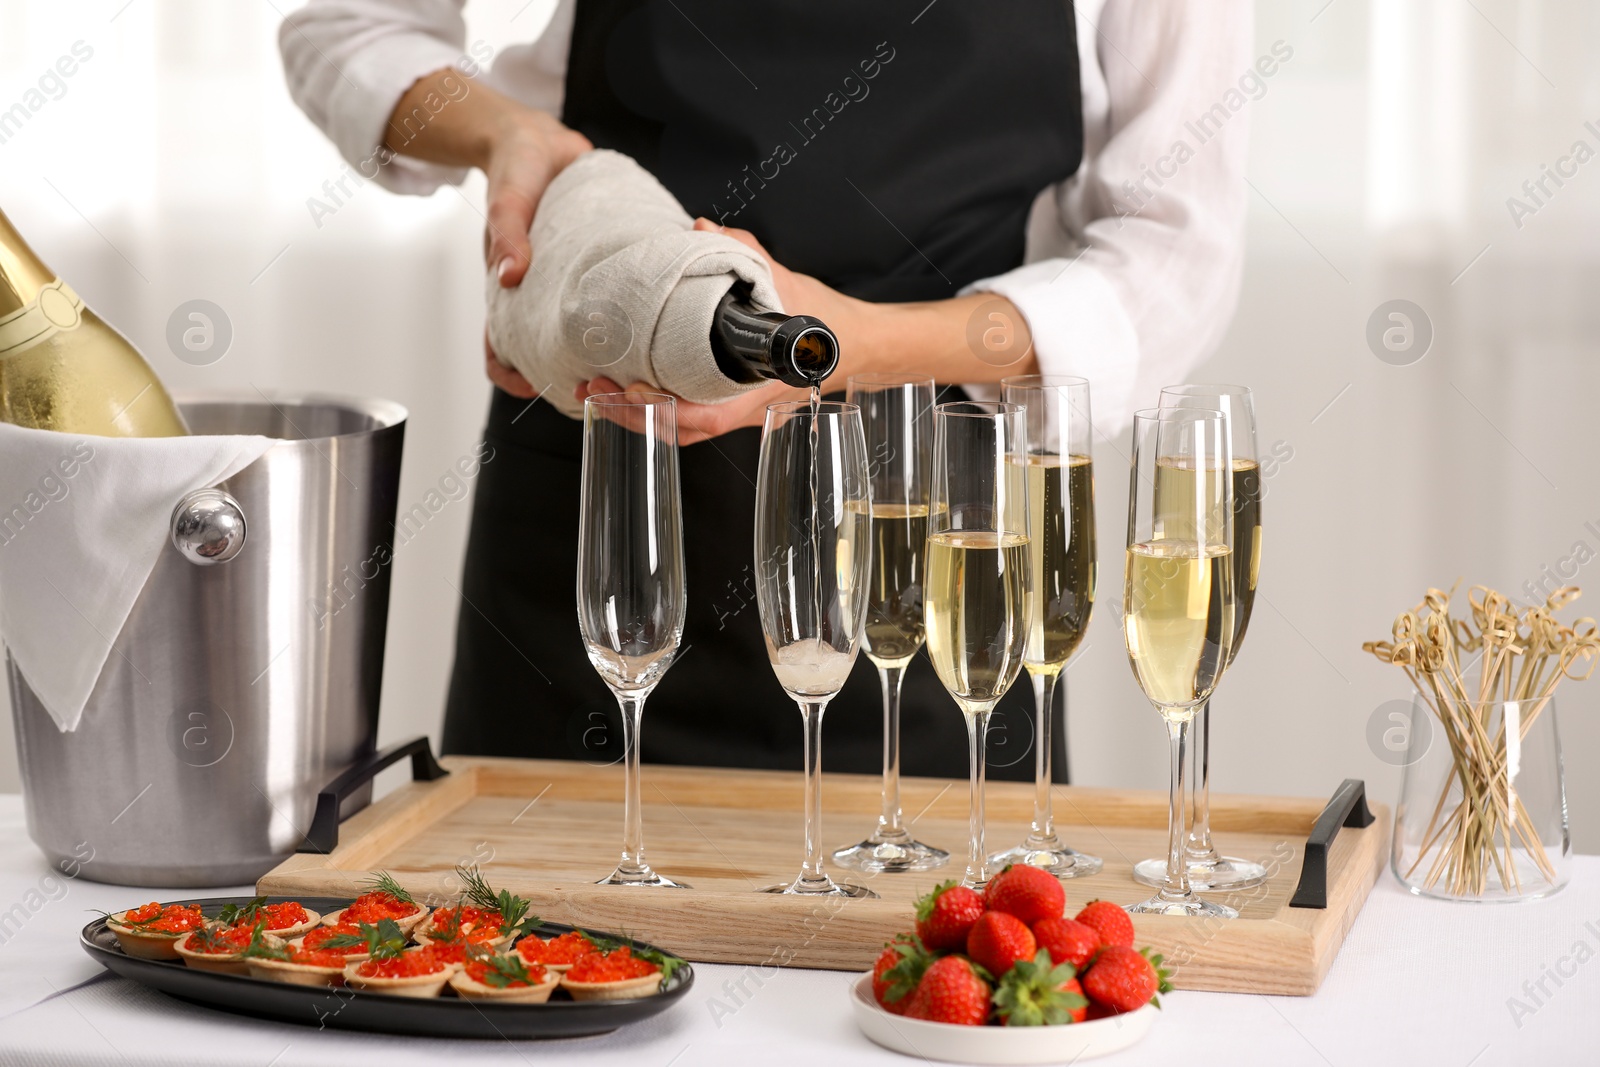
<point x="354" y="1009"/>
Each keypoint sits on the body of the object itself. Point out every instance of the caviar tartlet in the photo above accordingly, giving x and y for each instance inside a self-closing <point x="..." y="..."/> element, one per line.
<point x="557" y="954"/>
<point x="215" y="948"/>
<point x="466" y="924"/>
<point x="152" y="931"/>
<point x="614" y="975"/>
<point x="416" y="972"/>
<point x="334" y="939"/>
<point x="386" y="899"/>
<point x="504" y="978"/>
<point x="288" y="919"/>
<point x="300" y="966"/>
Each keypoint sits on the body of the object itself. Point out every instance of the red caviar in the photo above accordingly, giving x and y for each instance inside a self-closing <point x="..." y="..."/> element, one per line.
<point x="448" y="951"/>
<point x="279" y="916"/>
<point x="316" y="958"/>
<point x="375" y="906"/>
<point x="479" y="971"/>
<point x="533" y="950"/>
<point x="153" y="918"/>
<point x="568" y="948"/>
<point x="220" y="941"/>
<point x="316" y="940"/>
<point x="616" y="966"/>
<point x="412" y="964"/>
<point x="475" y="924"/>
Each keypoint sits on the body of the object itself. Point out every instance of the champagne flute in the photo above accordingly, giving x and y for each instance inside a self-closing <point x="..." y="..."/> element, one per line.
<point x="1209" y="869"/>
<point x="897" y="420"/>
<point x="813" y="562"/>
<point x="1178" y="604"/>
<point x="631" y="589"/>
<point x="977" y="576"/>
<point x="1060" y="479"/>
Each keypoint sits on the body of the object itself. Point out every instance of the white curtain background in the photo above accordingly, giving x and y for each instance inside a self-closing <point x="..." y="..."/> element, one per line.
<point x="172" y="166"/>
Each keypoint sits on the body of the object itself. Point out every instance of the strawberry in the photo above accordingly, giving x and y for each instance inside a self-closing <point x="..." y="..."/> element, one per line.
<point x="1124" y="980"/>
<point x="1109" y="921"/>
<point x="951" y="992"/>
<point x="945" y="915"/>
<point x="1026" y="892"/>
<point x="998" y="940"/>
<point x="900" y="967"/>
<point x="1038" y="992"/>
<point x="1067" y="940"/>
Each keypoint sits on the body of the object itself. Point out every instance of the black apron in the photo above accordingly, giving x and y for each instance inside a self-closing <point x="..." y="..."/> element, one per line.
<point x="892" y="149"/>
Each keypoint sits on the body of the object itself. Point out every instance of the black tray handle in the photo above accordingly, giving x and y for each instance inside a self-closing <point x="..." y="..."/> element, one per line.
<point x="323" y="837"/>
<point x="1347" y="808"/>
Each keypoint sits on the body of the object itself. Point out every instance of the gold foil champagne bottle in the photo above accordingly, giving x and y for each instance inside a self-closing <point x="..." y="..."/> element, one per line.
<point x="61" y="366"/>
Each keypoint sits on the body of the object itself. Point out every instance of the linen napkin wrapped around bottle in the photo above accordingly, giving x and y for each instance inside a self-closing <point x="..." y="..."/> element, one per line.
<point x="620" y="286"/>
<point x="83" y="520"/>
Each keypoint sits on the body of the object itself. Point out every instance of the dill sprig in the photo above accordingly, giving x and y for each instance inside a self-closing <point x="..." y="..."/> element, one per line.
<point x="383" y="882"/>
<point x="385" y="941"/>
<point x="514" y="917"/>
<point x="260" y="948"/>
<point x="234" y="914"/>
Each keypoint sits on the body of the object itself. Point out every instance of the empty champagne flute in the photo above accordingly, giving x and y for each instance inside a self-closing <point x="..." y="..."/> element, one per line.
<point x="897" y="421"/>
<point x="1178" y="602"/>
<point x="977" y="576"/>
<point x="631" y="589"/>
<point x="1061" y="546"/>
<point x="813" y="561"/>
<point x="1208" y="868"/>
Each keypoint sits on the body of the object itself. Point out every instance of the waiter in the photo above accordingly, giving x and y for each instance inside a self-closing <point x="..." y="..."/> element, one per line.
<point x="968" y="190"/>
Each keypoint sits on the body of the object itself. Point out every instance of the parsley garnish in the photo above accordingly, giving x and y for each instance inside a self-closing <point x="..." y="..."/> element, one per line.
<point x="384" y="941"/>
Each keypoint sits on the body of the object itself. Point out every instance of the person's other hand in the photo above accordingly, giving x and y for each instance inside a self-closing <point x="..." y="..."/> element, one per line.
<point x="701" y="422"/>
<point x="529" y="150"/>
<point x="801" y="294"/>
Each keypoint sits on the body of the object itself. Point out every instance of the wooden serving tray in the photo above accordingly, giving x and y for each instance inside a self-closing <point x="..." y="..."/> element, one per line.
<point x="547" y="829"/>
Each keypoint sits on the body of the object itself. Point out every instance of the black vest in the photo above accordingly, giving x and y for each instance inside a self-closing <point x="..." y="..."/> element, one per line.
<point x="893" y="150"/>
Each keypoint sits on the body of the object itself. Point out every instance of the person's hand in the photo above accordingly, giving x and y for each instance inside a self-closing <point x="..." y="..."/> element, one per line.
<point x="529" y="149"/>
<point x="801" y="294"/>
<point x="529" y="152"/>
<point x="701" y="422"/>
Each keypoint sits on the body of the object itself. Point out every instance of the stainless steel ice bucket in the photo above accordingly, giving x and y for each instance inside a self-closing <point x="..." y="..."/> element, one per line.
<point x="247" y="676"/>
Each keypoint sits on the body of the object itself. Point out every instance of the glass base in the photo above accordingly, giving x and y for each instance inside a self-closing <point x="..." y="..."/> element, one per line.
<point x="820" y="887"/>
<point x="643" y="876"/>
<point x="1191" y="907"/>
<point x="1059" y="860"/>
<point x="878" y="855"/>
<point x="1223" y="874"/>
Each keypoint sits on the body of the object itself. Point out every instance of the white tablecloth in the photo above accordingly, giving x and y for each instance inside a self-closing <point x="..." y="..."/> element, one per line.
<point x="1417" y="982"/>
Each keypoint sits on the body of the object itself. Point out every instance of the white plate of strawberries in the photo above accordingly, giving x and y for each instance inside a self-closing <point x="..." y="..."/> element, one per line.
<point x="1004" y="977"/>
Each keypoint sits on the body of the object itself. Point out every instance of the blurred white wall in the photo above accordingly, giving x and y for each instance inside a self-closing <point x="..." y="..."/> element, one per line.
<point x="173" y="166"/>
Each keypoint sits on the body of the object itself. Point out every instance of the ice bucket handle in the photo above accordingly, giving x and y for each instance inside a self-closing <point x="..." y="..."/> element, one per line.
<point x="323" y="837"/>
<point x="208" y="527"/>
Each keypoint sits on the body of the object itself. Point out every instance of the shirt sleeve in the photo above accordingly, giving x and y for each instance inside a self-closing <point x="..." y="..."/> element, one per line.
<point x="348" y="62"/>
<point x="1135" y="261"/>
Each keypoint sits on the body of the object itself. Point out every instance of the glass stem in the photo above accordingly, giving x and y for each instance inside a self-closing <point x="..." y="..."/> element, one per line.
<point x="1044" y="695"/>
<point x="977" y="858"/>
<point x="633" y="862"/>
<point x="889" y="828"/>
<point x="1199" y="847"/>
<point x="811" y="720"/>
<point x="1177" y="884"/>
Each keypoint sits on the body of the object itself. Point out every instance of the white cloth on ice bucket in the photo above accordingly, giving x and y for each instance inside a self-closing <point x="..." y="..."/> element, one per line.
<point x="83" y="520"/>
<point x="621" y="286"/>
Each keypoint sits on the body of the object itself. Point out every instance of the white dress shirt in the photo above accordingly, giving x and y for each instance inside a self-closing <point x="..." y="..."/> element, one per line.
<point x="1132" y="265"/>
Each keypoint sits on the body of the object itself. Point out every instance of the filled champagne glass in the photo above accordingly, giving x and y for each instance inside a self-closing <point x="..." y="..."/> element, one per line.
<point x="897" y="420"/>
<point x="631" y="589"/>
<point x="1208" y="868"/>
<point x="977" y="576"/>
<point x="1061" y="545"/>
<point x="1178" y="600"/>
<point x="813" y="553"/>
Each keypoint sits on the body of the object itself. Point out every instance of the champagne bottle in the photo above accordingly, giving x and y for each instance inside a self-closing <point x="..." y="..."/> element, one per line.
<point x="61" y="366"/>
<point x="750" y="344"/>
